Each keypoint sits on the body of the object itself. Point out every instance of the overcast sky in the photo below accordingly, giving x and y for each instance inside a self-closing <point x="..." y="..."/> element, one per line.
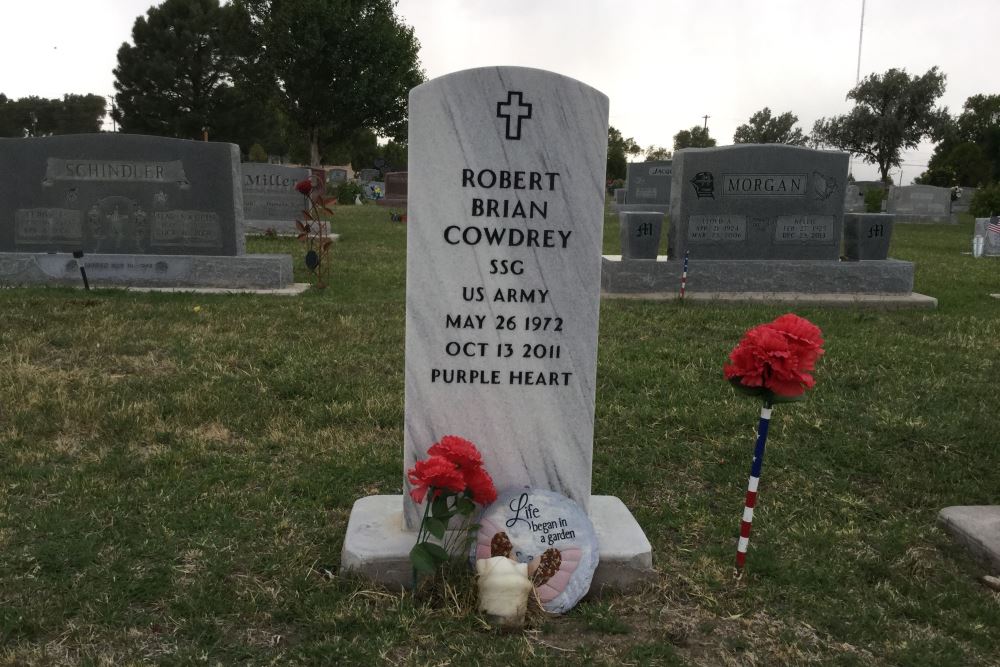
<point x="664" y="63"/>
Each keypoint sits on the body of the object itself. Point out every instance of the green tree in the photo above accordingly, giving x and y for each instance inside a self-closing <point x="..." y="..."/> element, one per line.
<point x="763" y="128"/>
<point x="892" y="112"/>
<point x="658" y="153"/>
<point x="40" y="117"/>
<point x="696" y="137"/>
<point x="257" y="154"/>
<point x="340" y="65"/>
<point x="619" y="150"/>
<point x="968" y="152"/>
<point x="174" y="78"/>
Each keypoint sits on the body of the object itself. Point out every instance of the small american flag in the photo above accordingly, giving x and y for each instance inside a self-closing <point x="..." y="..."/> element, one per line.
<point x="994" y="225"/>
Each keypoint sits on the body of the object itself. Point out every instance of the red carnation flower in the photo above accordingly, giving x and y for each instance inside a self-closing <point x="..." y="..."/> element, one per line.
<point x="802" y="334"/>
<point x="304" y="186"/>
<point x="435" y="473"/>
<point x="480" y="485"/>
<point x="458" y="450"/>
<point x="777" y="356"/>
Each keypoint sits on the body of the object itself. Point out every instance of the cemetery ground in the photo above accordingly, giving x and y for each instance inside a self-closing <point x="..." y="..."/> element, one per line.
<point x="177" y="471"/>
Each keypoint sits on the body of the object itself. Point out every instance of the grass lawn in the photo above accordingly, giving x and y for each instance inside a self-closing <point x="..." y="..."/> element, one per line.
<point x="177" y="471"/>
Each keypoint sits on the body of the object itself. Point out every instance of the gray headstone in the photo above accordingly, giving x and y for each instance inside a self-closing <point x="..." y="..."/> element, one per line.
<point x="989" y="230"/>
<point x="920" y="203"/>
<point x="336" y="175"/>
<point x="503" y="273"/>
<point x="854" y="199"/>
<point x="961" y="204"/>
<point x="649" y="182"/>
<point x="619" y="195"/>
<point x="549" y="532"/>
<point x="640" y="234"/>
<point x="867" y="236"/>
<point x="270" y="200"/>
<point x="120" y="193"/>
<point x="366" y="175"/>
<point x="755" y="201"/>
<point x="396" y="186"/>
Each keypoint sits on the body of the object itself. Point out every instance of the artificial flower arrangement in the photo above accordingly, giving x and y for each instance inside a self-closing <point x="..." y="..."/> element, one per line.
<point x="773" y="362"/>
<point x="313" y="230"/>
<point x="450" y="483"/>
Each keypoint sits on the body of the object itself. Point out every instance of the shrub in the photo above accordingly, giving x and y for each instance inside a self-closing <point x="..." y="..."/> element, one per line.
<point x="873" y="200"/>
<point x="257" y="153"/>
<point x="986" y="201"/>
<point x="347" y="191"/>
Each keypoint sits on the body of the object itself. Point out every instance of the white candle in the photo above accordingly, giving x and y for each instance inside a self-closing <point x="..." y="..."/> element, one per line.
<point x="503" y="590"/>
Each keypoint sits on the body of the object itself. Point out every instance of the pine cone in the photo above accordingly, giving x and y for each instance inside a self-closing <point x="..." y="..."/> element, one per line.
<point x="548" y="564"/>
<point x="500" y="545"/>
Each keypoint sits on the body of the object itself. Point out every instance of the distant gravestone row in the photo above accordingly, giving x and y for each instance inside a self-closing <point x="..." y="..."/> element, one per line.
<point x="921" y="204"/>
<point x="144" y="211"/>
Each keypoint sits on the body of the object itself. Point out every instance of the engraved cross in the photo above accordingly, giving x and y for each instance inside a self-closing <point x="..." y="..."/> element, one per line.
<point x="514" y="115"/>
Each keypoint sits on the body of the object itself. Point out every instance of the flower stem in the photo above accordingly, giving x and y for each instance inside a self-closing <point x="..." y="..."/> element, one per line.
<point x="751" y="499"/>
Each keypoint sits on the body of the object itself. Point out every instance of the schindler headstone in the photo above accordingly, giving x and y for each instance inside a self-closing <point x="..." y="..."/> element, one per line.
<point x="503" y="295"/>
<point x="270" y="200"/>
<point x="649" y="182"/>
<point x="149" y="211"/>
<point x="757" y="202"/>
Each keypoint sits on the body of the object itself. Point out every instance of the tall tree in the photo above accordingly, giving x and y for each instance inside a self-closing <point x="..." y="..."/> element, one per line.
<point x="892" y="112"/>
<point x="39" y="117"/>
<point x="763" y="128"/>
<point x="619" y="150"/>
<point x="340" y="65"/>
<point x="696" y="137"/>
<point x="655" y="152"/>
<point x="173" y="79"/>
<point x="968" y="152"/>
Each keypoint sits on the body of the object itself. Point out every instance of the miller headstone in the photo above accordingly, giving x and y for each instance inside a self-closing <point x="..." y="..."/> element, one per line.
<point x="920" y="203"/>
<point x="502" y="299"/>
<point x="755" y="201"/>
<point x="149" y="211"/>
<point x="270" y="200"/>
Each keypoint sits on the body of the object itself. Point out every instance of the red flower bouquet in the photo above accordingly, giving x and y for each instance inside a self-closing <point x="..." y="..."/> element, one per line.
<point x="773" y="361"/>
<point x="452" y="481"/>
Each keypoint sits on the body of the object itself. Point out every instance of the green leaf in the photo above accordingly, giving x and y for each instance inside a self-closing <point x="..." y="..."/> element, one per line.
<point x="435" y="527"/>
<point x="473" y="527"/>
<point x="436" y="552"/>
<point x="439" y="508"/>
<point x="421" y="558"/>
<point x="465" y="506"/>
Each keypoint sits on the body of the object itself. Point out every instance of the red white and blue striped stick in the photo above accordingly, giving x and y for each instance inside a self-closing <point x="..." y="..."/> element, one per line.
<point x="751" y="502"/>
<point x="684" y="275"/>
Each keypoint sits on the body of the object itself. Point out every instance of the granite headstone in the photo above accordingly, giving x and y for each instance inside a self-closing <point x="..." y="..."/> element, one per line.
<point x="989" y="230"/>
<point x="867" y="236"/>
<point x="920" y="203"/>
<point x="619" y="196"/>
<point x="395" y="189"/>
<point x="755" y="201"/>
<point x="649" y="182"/>
<point x="366" y="175"/>
<point x="640" y="234"/>
<point x="336" y="175"/>
<point x="854" y="199"/>
<point x="270" y="200"/>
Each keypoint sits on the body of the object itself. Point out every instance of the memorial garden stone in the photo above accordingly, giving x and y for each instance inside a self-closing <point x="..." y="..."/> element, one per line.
<point x="920" y="203"/>
<point x="640" y="234"/>
<point x="867" y="236"/>
<point x="502" y="301"/>
<point x="270" y="200"/>
<point x="145" y="211"/>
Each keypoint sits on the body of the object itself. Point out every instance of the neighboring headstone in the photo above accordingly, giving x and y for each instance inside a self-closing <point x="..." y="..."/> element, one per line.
<point x="640" y="234"/>
<point x="753" y="201"/>
<point x="989" y="230"/>
<point x="854" y="199"/>
<point x="336" y="175"/>
<point x="867" y="236"/>
<point x="920" y="203"/>
<point x="649" y="182"/>
<point x="503" y="295"/>
<point x="366" y="175"/>
<point x="550" y="533"/>
<point x="144" y="211"/>
<point x="270" y="200"/>
<point x="619" y="196"/>
<point x="395" y="189"/>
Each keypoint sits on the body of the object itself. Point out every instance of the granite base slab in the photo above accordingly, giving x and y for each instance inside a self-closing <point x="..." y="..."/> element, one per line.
<point x="377" y="546"/>
<point x="640" y="208"/>
<point x="294" y="289"/>
<point x="978" y="528"/>
<point x="913" y="300"/>
<point x="888" y="276"/>
<point x="243" y="271"/>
